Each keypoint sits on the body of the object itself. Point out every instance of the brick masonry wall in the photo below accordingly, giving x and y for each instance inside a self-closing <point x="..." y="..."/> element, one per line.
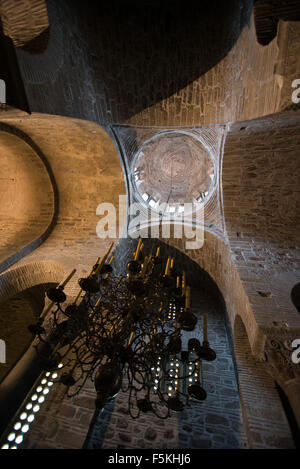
<point x="95" y="176"/>
<point x="264" y="418"/>
<point x="260" y="187"/>
<point x="24" y="20"/>
<point x="27" y="198"/>
<point x="159" y="65"/>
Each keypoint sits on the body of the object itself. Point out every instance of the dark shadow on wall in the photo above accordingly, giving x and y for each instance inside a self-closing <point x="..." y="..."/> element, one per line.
<point x="289" y="415"/>
<point x="15" y="316"/>
<point x="295" y="296"/>
<point x="11" y="74"/>
<point x="267" y="15"/>
<point x="110" y="60"/>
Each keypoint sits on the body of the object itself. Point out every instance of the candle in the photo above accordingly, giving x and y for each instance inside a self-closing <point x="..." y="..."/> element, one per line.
<point x="68" y="278"/>
<point x="187" y="298"/>
<point x="145" y="265"/>
<point x="183" y="283"/>
<point x="167" y="266"/>
<point x="110" y="261"/>
<point x="177" y="281"/>
<point x="136" y="255"/>
<point x="157" y="251"/>
<point x="98" y="301"/>
<point x="62" y="287"/>
<point x="91" y="272"/>
<point x="130" y="338"/>
<point x="103" y="260"/>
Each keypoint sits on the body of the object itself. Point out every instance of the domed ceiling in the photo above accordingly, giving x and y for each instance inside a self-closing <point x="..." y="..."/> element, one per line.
<point x="172" y="169"/>
<point x="173" y="174"/>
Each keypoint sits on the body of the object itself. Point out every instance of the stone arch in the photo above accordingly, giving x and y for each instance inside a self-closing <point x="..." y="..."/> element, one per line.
<point x="22" y="278"/>
<point x="265" y="421"/>
<point x="23" y="21"/>
<point x="25" y="285"/>
<point x="24" y="169"/>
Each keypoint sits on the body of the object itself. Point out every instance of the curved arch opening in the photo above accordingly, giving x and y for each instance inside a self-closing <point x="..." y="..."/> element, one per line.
<point x="22" y="300"/>
<point x="295" y="296"/>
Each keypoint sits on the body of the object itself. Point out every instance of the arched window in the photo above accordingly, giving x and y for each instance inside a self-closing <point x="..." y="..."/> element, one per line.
<point x="295" y="296"/>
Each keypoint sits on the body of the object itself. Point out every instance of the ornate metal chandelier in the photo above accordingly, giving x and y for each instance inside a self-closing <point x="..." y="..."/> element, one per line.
<point x="125" y="335"/>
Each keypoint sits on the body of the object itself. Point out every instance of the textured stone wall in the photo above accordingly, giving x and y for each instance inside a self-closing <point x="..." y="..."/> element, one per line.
<point x="267" y="15"/>
<point x="264" y="418"/>
<point x="23" y="20"/>
<point x="94" y="176"/>
<point x="288" y="66"/>
<point x="27" y="196"/>
<point x="260" y="188"/>
<point x="162" y="64"/>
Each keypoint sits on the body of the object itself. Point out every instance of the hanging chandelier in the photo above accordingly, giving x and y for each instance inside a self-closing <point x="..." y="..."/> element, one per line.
<point x="126" y="335"/>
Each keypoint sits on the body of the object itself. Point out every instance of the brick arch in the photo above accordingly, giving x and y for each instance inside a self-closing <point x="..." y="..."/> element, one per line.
<point x="27" y="276"/>
<point x="23" y="21"/>
<point x="264" y="418"/>
<point x="40" y="218"/>
<point x="25" y="282"/>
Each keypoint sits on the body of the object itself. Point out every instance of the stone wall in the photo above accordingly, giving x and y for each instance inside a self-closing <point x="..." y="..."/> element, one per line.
<point x="260" y="186"/>
<point x="27" y="195"/>
<point x="162" y="64"/>
<point x="263" y="415"/>
<point x="24" y="20"/>
<point x="95" y="176"/>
